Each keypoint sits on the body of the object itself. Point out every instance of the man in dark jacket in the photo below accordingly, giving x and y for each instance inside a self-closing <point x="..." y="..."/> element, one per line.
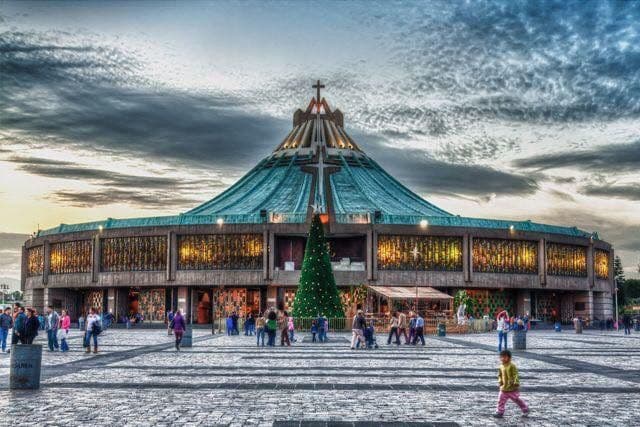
<point x="626" y="319"/>
<point x="31" y="326"/>
<point x="6" y="323"/>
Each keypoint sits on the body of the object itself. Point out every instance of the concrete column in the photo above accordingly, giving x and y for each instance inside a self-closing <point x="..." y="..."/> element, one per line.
<point x="590" y="305"/>
<point x="523" y="302"/>
<point x="46" y="251"/>
<point x="182" y="299"/>
<point x="23" y="268"/>
<point x="542" y="262"/>
<point x="370" y="255"/>
<point x="265" y="255"/>
<point x="590" y="266"/>
<point x="172" y="255"/>
<point x="374" y="256"/>
<point x="111" y="301"/>
<point x="466" y="258"/>
<point x="272" y="296"/>
<point x="469" y="258"/>
<point x="95" y="258"/>
<point x="272" y="255"/>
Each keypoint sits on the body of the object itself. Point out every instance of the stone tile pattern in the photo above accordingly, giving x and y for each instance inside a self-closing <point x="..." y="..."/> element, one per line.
<point x="138" y="379"/>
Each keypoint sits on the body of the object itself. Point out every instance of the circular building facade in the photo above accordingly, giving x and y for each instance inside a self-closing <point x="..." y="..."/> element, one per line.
<point x="243" y="250"/>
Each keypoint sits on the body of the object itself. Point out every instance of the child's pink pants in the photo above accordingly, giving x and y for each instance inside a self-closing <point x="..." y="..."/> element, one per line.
<point x="510" y="395"/>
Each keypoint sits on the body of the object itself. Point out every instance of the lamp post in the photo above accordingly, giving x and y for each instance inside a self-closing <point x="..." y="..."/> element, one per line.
<point x="616" y="296"/>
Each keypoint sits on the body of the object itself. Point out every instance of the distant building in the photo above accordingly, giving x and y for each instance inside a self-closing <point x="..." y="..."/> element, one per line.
<point x="243" y="249"/>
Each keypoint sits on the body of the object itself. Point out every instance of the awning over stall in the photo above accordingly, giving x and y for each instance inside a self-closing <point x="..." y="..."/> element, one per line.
<point x="409" y="292"/>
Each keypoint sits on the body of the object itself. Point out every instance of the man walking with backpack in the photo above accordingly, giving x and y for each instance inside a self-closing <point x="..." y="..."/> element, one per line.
<point x="52" y="322"/>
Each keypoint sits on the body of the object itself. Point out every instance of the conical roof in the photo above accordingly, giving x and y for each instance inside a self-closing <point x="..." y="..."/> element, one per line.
<point x="318" y="165"/>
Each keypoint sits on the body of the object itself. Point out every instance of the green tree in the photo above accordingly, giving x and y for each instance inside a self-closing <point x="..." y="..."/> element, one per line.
<point x="631" y="289"/>
<point x="317" y="291"/>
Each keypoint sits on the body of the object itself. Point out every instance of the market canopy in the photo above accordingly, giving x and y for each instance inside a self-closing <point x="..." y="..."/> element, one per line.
<point x="408" y="292"/>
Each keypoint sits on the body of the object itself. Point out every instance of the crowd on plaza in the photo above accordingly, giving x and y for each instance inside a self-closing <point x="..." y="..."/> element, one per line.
<point x="24" y="324"/>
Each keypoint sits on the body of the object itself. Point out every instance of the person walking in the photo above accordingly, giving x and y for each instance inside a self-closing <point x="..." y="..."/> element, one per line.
<point x="402" y="327"/>
<point x="283" y="324"/>
<point x="509" y="383"/>
<point x="63" y="331"/>
<point x="321" y="330"/>
<point x="626" y="320"/>
<point x="6" y="323"/>
<point x="412" y="327"/>
<point x="502" y="328"/>
<point x="393" y="328"/>
<point x="230" y="330"/>
<point x="260" y="324"/>
<point x="314" y="330"/>
<point x="93" y="329"/>
<point x="178" y="325"/>
<point x="291" y="328"/>
<point x="52" y="322"/>
<point x="357" y="330"/>
<point x="271" y="328"/>
<point x="419" y="333"/>
<point x="31" y="326"/>
<point x="81" y="322"/>
<point x="170" y="316"/>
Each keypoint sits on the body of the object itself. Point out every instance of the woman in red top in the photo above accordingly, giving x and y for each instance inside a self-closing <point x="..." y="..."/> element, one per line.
<point x="63" y="330"/>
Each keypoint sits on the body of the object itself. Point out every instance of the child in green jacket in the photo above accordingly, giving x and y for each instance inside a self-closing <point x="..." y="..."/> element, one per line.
<point x="509" y="385"/>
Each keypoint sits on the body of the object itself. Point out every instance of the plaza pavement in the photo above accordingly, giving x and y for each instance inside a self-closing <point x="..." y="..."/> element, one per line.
<point x="139" y="379"/>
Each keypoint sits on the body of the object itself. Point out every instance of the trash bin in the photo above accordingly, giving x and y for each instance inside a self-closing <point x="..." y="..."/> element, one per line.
<point x="577" y="325"/>
<point x="187" y="337"/>
<point x="557" y="327"/>
<point x="442" y="330"/>
<point x="24" y="372"/>
<point x="519" y="340"/>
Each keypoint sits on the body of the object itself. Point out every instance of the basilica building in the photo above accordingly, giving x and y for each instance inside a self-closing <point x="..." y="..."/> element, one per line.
<point x="242" y="250"/>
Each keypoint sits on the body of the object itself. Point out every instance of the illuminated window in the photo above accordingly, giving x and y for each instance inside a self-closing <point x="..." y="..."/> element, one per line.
<point x="220" y="252"/>
<point x="505" y="256"/>
<point x="419" y="253"/>
<point x="70" y="257"/>
<point x="144" y="253"/>
<point x="566" y="260"/>
<point x="35" y="261"/>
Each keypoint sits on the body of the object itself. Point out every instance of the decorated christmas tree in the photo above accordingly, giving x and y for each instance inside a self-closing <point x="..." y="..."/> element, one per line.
<point x="317" y="291"/>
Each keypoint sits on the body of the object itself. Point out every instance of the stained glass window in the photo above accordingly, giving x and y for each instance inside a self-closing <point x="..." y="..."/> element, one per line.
<point x="566" y="260"/>
<point x="396" y="252"/>
<point x="70" y="257"/>
<point x="505" y="256"/>
<point x="220" y="252"/>
<point x="601" y="264"/>
<point x="35" y="261"/>
<point x="144" y="253"/>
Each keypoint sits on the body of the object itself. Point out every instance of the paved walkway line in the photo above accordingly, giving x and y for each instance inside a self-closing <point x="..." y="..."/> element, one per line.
<point x="576" y="365"/>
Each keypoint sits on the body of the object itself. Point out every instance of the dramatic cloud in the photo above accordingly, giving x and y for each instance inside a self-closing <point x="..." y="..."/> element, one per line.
<point x="607" y="159"/>
<point x="430" y="176"/>
<point x="629" y="192"/>
<point x="107" y="196"/>
<point x="86" y="96"/>
<point x="10" y="254"/>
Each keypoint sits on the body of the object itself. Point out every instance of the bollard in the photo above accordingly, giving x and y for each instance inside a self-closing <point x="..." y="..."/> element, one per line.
<point x="442" y="330"/>
<point x="519" y="340"/>
<point x="24" y="372"/>
<point x="187" y="338"/>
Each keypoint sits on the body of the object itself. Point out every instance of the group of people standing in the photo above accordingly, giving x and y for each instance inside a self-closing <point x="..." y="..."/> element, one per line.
<point x="25" y="323"/>
<point x="272" y="322"/>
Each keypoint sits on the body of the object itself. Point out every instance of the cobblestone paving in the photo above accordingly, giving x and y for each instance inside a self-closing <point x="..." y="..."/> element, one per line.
<point x="138" y="379"/>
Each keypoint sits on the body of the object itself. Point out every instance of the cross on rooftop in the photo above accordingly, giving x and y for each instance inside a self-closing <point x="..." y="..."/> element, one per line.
<point x="318" y="86"/>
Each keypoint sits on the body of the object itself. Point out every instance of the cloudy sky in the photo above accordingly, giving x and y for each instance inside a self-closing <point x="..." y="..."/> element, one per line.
<point x="515" y="110"/>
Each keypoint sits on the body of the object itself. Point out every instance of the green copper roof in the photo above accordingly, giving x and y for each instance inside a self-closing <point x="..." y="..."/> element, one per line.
<point x="317" y="164"/>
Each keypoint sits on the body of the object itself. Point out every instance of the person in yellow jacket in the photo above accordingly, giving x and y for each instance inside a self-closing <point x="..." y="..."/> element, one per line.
<point x="509" y="382"/>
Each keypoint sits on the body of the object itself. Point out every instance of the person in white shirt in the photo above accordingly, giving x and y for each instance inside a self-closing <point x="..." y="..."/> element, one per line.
<point x="502" y="328"/>
<point x="93" y="328"/>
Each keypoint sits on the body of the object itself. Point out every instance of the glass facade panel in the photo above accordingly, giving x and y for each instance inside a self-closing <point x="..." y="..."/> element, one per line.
<point x="145" y="253"/>
<point x="419" y="253"/>
<point x="566" y="260"/>
<point x="505" y="256"/>
<point x="35" y="261"/>
<point x="70" y="257"/>
<point x="220" y="252"/>
<point x="601" y="263"/>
